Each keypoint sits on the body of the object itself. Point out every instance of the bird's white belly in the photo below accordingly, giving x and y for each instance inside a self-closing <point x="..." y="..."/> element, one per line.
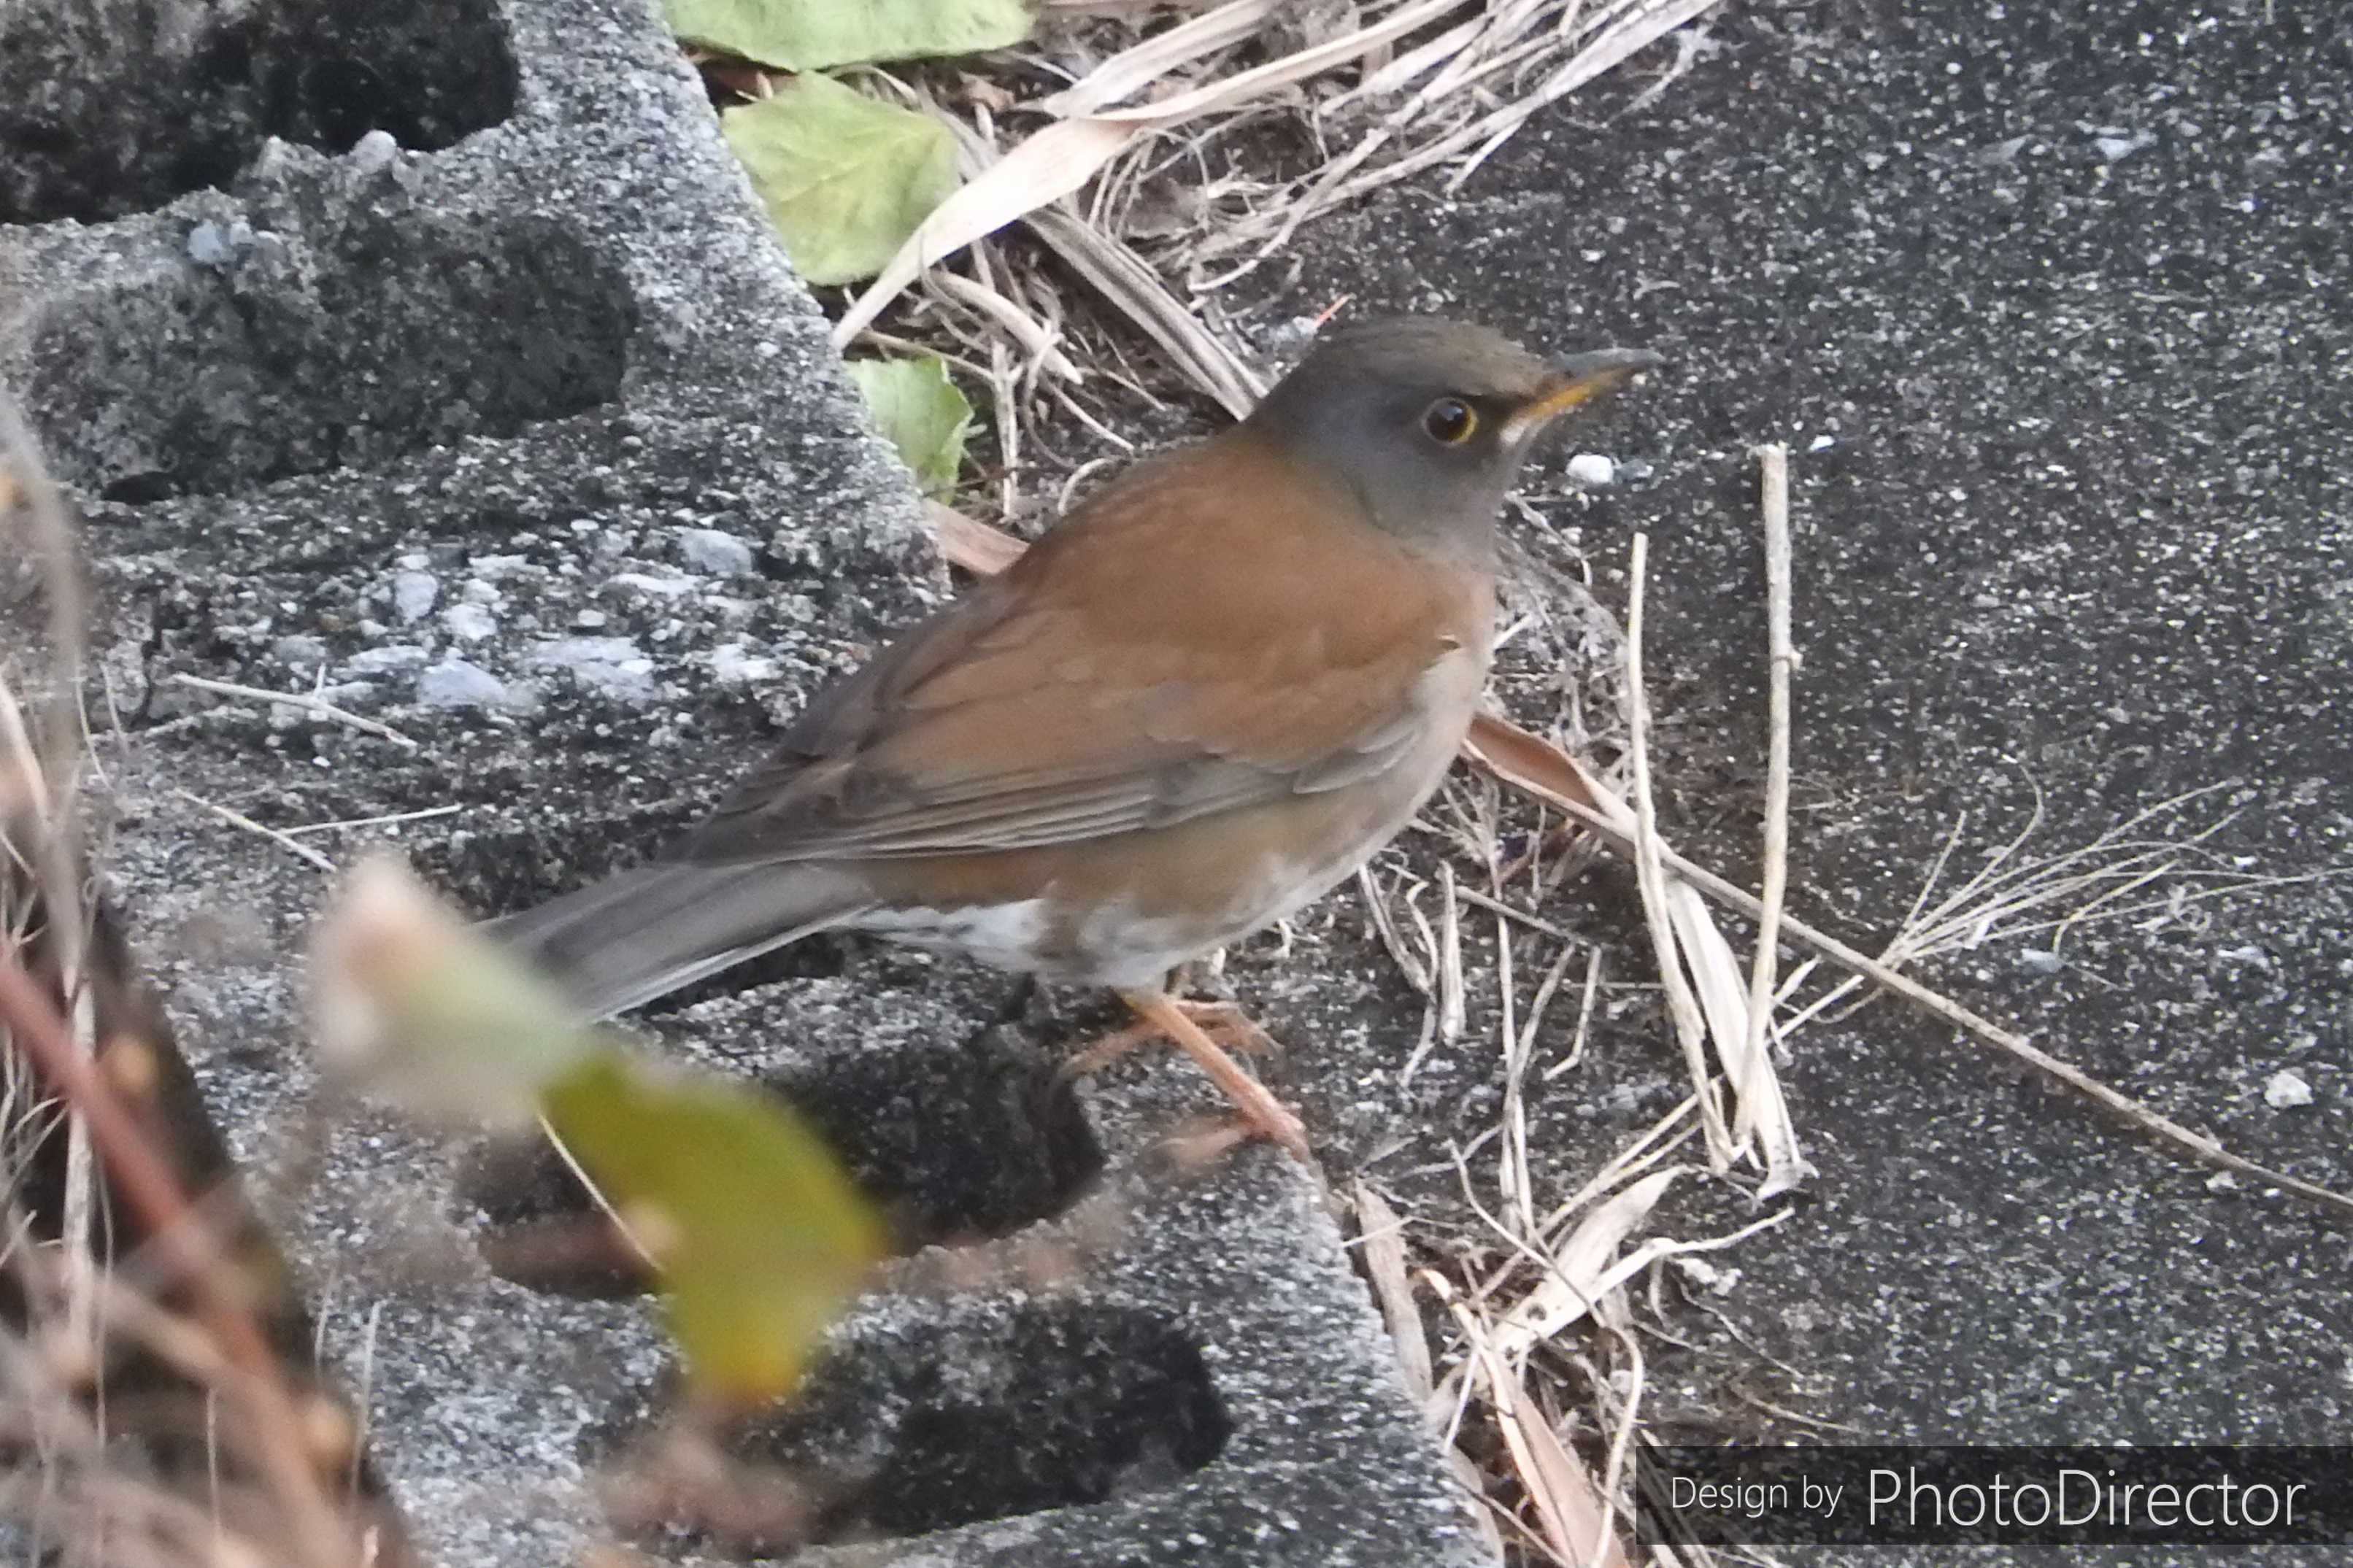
<point x="1111" y="945"/>
<point x="1120" y="944"/>
<point x="1004" y="936"/>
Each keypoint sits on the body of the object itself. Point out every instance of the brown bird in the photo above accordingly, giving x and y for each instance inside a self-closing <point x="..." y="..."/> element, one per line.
<point x="1205" y="697"/>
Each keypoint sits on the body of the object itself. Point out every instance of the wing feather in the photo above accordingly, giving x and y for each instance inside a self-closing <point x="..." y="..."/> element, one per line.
<point x="1082" y="694"/>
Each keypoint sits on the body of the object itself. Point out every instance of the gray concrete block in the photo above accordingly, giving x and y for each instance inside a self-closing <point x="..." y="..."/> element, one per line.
<point x="436" y="350"/>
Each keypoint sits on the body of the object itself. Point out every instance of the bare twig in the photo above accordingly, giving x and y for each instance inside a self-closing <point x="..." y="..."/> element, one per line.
<point x="596" y="1195"/>
<point x="304" y="700"/>
<point x="1621" y="1441"/>
<point x="1782" y="656"/>
<point x="292" y="847"/>
<point x="1757" y="1090"/>
<point x="389" y="820"/>
<point x="1541" y="782"/>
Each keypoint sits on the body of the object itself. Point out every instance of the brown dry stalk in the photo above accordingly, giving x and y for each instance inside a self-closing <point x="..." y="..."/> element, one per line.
<point x="1537" y="768"/>
<point x="272" y="1424"/>
<point x="54" y="781"/>
<point x="301" y="699"/>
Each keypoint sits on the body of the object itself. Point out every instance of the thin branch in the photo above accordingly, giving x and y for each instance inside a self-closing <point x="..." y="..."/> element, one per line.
<point x="2130" y="1111"/>
<point x="304" y="700"/>
<point x="293" y="847"/>
<point x="1761" y="1106"/>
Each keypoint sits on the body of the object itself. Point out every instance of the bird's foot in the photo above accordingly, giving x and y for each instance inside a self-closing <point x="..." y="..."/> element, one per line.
<point x="1200" y="1143"/>
<point x="1262" y="1114"/>
<point x="1225" y="1024"/>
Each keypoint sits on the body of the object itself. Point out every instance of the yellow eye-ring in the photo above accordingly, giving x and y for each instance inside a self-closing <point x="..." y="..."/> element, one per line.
<point x="1451" y="420"/>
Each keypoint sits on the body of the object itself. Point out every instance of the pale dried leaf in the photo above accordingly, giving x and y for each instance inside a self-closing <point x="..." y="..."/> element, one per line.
<point x="1130" y="285"/>
<point x="1534" y="765"/>
<point x="1383" y="1248"/>
<point x="1139" y="65"/>
<point x="1580" y="1271"/>
<point x="1565" y="1490"/>
<point x="971" y="543"/>
<point x="1057" y="159"/>
<point x="1045" y="168"/>
<point x="1724" y="997"/>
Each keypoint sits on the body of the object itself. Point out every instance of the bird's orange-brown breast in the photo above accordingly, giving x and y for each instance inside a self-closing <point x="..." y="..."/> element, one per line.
<point x="1222" y="610"/>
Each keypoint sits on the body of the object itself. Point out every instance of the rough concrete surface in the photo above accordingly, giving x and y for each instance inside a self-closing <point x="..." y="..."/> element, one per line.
<point x="436" y="359"/>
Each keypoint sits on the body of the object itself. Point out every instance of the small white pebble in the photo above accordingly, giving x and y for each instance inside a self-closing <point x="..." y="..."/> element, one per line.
<point x="664" y="586"/>
<point x="468" y="622"/>
<point x="386" y="660"/>
<point x="2286" y="1089"/>
<point x="454" y="683"/>
<point x="708" y="550"/>
<point x="732" y="665"/>
<point x="2115" y="146"/>
<point x="413" y="594"/>
<point x="375" y="151"/>
<point x="300" y="651"/>
<point x="1592" y="470"/>
<point x="615" y="666"/>
<point x="1822" y="444"/>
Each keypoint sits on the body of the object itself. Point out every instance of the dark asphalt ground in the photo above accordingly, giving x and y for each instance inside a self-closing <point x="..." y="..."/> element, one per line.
<point x="2066" y="289"/>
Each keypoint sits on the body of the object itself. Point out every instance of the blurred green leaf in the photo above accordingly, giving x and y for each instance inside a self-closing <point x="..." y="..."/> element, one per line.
<point x="760" y="1239"/>
<point x="810" y="34"/>
<point x="416" y="1005"/>
<point x="846" y="179"/>
<point x="918" y="410"/>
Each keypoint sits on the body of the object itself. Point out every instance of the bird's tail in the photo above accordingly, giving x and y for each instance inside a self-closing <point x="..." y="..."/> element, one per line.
<point x="649" y="931"/>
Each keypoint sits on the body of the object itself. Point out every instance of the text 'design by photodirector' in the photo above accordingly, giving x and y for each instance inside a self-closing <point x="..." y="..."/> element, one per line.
<point x="2005" y="1497"/>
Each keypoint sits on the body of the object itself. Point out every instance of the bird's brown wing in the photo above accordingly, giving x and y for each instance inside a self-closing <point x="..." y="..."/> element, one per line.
<point x="1169" y="651"/>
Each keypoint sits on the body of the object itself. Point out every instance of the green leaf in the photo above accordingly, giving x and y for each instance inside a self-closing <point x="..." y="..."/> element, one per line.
<point x="760" y="1239"/>
<point x="417" y="1006"/>
<point x="919" y="410"/>
<point x="810" y="34"/>
<point x="845" y="179"/>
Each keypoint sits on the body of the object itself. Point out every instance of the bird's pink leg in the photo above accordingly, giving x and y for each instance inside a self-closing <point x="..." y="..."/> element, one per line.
<point x="1265" y="1115"/>
<point x="1223" y="1022"/>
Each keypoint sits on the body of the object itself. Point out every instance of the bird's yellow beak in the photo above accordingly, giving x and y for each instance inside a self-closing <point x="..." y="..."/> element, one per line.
<point x="1576" y="378"/>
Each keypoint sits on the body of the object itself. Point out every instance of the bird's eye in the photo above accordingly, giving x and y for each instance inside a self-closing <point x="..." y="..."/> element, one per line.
<point x="1451" y="420"/>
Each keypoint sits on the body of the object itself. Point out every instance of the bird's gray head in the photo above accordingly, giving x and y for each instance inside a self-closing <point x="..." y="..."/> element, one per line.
<point x="1428" y="420"/>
